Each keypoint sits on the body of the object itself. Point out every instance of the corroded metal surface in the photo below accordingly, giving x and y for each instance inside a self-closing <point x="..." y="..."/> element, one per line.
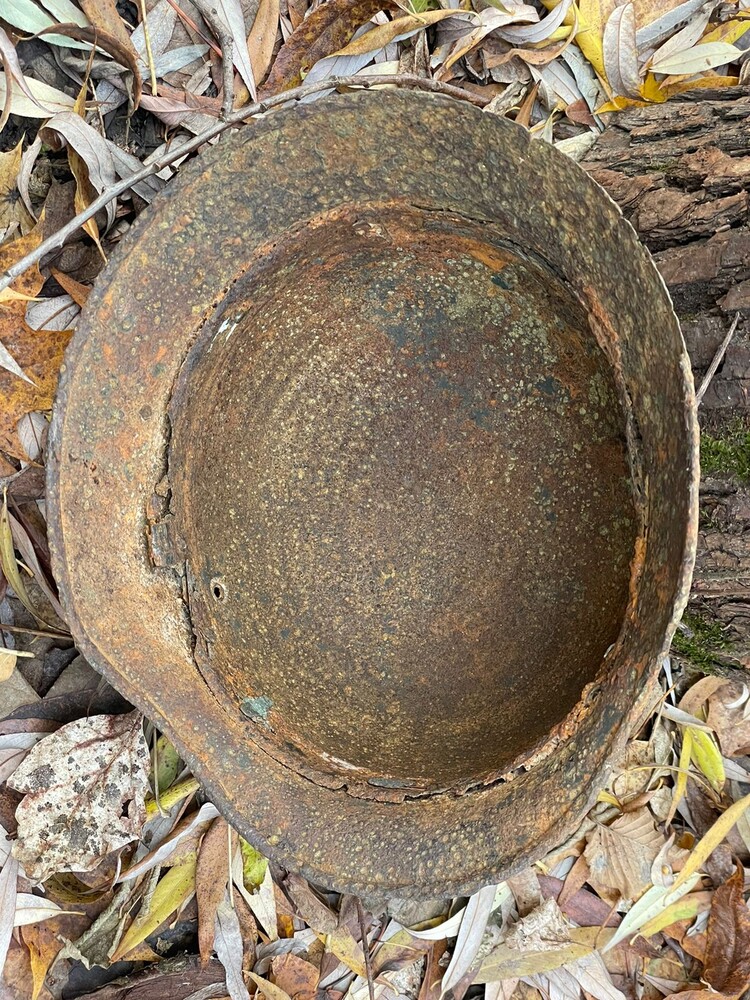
<point x="374" y="482"/>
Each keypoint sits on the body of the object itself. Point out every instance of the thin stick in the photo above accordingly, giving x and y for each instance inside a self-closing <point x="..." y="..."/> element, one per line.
<point x="365" y="949"/>
<point x="149" y="50"/>
<point x="718" y="358"/>
<point x="236" y="118"/>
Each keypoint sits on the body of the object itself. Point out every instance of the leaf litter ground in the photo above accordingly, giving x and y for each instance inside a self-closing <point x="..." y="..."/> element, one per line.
<point x="113" y="862"/>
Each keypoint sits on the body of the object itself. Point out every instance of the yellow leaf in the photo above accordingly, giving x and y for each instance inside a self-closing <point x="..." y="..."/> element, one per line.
<point x="509" y="963"/>
<point x="592" y="16"/>
<point x="711" y="80"/>
<point x="172" y="892"/>
<point x="269" y="990"/>
<point x="9" y="563"/>
<point x="728" y="32"/>
<point x="651" y="92"/>
<point x="684" y="909"/>
<point x="715" y="835"/>
<point x="383" y="34"/>
<point x="682" y="777"/>
<point x="608" y="797"/>
<point x="706" y="756"/>
<point x="341" y="942"/>
<point x="172" y="796"/>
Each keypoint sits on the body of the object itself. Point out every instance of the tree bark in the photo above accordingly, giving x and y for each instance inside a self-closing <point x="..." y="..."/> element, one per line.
<point x="680" y="171"/>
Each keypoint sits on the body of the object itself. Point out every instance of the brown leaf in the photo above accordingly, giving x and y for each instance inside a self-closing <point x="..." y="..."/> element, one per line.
<point x="78" y="292"/>
<point x="212" y="875"/>
<point x="85" y="787"/>
<point x="323" y="32"/>
<point x="262" y="38"/>
<point x="620" y="856"/>
<point x="37" y="352"/>
<point x="727" y="717"/>
<point x="728" y="938"/>
<point x="295" y="976"/>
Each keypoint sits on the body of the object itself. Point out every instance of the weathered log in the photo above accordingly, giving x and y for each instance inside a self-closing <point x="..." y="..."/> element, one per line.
<point x="680" y="171"/>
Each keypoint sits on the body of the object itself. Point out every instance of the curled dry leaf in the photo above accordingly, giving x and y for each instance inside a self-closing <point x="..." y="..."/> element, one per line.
<point x="229" y="948"/>
<point x="620" y="55"/>
<point x="326" y="30"/>
<point x="84" y="791"/>
<point x="470" y="935"/>
<point x="728" y="938"/>
<point x="38" y="353"/>
<point x="125" y="55"/>
<point x="211" y="880"/>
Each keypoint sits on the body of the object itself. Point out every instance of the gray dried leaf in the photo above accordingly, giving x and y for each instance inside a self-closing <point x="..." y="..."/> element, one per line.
<point x="57" y="313"/>
<point x="44" y="100"/>
<point x="84" y="791"/>
<point x="697" y="59"/>
<point x="537" y="32"/>
<point x="470" y="935"/>
<point x="228" y="947"/>
<point x="559" y="81"/>
<point x="686" y="37"/>
<point x="174" y="59"/>
<point x="8" y="881"/>
<point x="205" y="815"/>
<point x="230" y="12"/>
<point x="160" y="22"/>
<point x="13" y="749"/>
<point x="620" y="55"/>
<point x="652" y="35"/>
<point x="93" y="149"/>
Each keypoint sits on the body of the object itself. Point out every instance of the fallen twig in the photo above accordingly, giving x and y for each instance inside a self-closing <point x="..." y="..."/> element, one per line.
<point x="718" y="358"/>
<point x="236" y="118"/>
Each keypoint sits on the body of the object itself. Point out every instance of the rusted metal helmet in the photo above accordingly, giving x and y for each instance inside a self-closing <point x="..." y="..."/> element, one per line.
<point x="373" y="483"/>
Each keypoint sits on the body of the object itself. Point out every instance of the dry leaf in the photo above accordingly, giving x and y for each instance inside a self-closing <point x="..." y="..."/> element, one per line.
<point x="124" y="54"/>
<point x="229" y="948"/>
<point x="708" y="844"/>
<point x="262" y="38"/>
<point x="13" y="212"/>
<point x="727" y="716"/>
<point x="620" y="856"/>
<point x="171" y="893"/>
<point x="7" y="665"/>
<point x="32" y="99"/>
<point x="85" y="786"/>
<point x="537" y="943"/>
<point x="728" y="938"/>
<point x="269" y="990"/>
<point x="296" y="977"/>
<point x="698" y="59"/>
<point x="211" y="880"/>
<point x="37" y="352"/>
<point x="470" y="935"/>
<point x="392" y="31"/>
<point x="620" y="56"/>
<point x="327" y="29"/>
